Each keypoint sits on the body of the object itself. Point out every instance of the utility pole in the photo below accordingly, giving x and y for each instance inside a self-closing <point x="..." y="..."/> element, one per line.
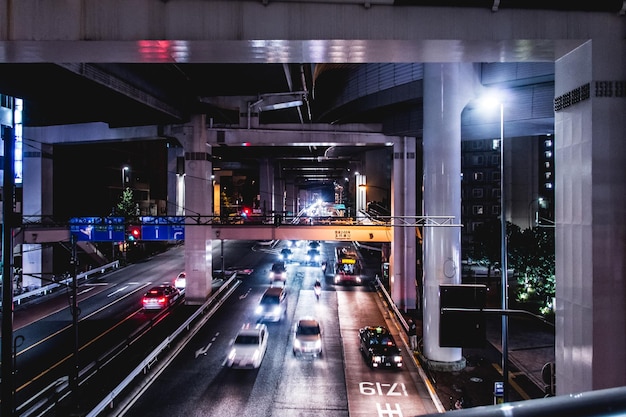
<point x="8" y="220"/>
<point x="75" y="313"/>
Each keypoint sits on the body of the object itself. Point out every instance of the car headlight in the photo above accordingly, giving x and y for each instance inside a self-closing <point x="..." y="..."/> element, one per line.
<point x="318" y="344"/>
<point x="232" y="354"/>
<point x="259" y="310"/>
<point x="376" y="359"/>
<point x="397" y="359"/>
<point x="276" y="310"/>
<point x="296" y="343"/>
<point x="256" y="354"/>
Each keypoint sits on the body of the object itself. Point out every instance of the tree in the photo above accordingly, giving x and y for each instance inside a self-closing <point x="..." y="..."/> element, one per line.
<point x="487" y="248"/>
<point x="532" y="256"/>
<point x="127" y="206"/>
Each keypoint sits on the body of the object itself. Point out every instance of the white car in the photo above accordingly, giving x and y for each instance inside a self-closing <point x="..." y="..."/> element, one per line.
<point x="249" y="347"/>
<point x="307" y="338"/>
<point x="181" y="281"/>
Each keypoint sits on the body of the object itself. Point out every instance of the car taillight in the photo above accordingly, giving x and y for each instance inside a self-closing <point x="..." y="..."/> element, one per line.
<point x="161" y="300"/>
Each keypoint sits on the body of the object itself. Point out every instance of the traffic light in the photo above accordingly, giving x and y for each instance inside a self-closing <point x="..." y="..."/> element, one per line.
<point x="134" y="232"/>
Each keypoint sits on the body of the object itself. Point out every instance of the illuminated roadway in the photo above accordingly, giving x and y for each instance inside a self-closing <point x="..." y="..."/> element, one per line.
<point x="337" y="384"/>
<point x="195" y="383"/>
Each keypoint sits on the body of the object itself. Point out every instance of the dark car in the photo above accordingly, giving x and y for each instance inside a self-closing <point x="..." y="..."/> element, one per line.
<point x="160" y="297"/>
<point x="278" y="273"/>
<point x="286" y="254"/>
<point x="313" y="257"/>
<point x="379" y="348"/>
<point x="273" y="305"/>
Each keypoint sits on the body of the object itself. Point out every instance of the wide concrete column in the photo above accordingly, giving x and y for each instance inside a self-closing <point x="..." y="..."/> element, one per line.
<point x="291" y="199"/>
<point x="447" y="89"/>
<point x="37" y="201"/>
<point x="198" y="201"/>
<point x="590" y="214"/>
<point x="175" y="182"/>
<point x="270" y="197"/>
<point x="403" y="244"/>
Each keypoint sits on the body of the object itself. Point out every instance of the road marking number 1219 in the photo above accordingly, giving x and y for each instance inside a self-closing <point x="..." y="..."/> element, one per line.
<point x="382" y="389"/>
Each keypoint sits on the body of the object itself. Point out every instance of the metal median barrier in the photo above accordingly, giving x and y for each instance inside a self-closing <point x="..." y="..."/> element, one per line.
<point x="122" y="397"/>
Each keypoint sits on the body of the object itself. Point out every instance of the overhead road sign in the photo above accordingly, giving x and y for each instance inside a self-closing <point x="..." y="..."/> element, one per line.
<point x="98" y="229"/>
<point x="162" y="228"/>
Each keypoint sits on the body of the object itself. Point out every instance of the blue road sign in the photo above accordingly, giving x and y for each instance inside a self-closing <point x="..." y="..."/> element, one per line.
<point x="97" y="229"/>
<point x="162" y="228"/>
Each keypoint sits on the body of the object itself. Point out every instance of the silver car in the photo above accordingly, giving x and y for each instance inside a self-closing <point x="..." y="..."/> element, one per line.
<point x="307" y="339"/>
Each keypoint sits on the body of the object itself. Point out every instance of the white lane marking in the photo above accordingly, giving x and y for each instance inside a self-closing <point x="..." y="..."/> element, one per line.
<point x="118" y="290"/>
<point x="204" y="350"/>
<point x="85" y="291"/>
<point x="241" y="297"/>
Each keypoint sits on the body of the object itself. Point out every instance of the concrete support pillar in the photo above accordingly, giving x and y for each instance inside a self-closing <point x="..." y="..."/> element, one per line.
<point x="198" y="201"/>
<point x="403" y="203"/>
<point x="37" y="197"/>
<point x="447" y="89"/>
<point x="175" y="182"/>
<point x="270" y="197"/>
<point x="590" y="214"/>
<point x="291" y="199"/>
<point x="360" y="192"/>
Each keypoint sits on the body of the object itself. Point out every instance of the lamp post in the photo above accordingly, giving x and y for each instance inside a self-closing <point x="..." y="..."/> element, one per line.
<point x="125" y="168"/>
<point x="491" y="100"/>
<point x="504" y="267"/>
<point x="366" y="187"/>
<point x="536" y="213"/>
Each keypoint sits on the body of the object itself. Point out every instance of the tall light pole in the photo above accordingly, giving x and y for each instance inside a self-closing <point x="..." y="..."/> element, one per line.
<point x="534" y="214"/>
<point x="489" y="101"/>
<point x="504" y="267"/>
<point x="125" y="168"/>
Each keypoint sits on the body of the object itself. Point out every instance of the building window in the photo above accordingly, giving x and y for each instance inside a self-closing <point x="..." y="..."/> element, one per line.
<point x="478" y="160"/>
<point x="477" y="192"/>
<point x="547" y="164"/>
<point x="477" y="144"/>
<point x="495" y="144"/>
<point x="477" y="210"/>
<point x="495" y="160"/>
<point x="478" y="176"/>
<point x="495" y="193"/>
<point x="475" y="225"/>
<point x="548" y="185"/>
<point x="495" y="210"/>
<point x="495" y="176"/>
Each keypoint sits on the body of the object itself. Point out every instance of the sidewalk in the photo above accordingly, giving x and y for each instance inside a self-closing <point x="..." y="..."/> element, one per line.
<point x="530" y="346"/>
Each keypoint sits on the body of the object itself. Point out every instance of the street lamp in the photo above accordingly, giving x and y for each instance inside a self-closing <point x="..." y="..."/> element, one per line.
<point x="536" y="213"/>
<point x="490" y="101"/>
<point x="125" y="168"/>
<point x="504" y="269"/>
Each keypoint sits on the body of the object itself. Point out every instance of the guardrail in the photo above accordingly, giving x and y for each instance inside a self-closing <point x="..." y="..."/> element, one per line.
<point x="608" y="402"/>
<point x="150" y="366"/>
<point x="47" y="399"/>
<point x="65" y="282"/>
